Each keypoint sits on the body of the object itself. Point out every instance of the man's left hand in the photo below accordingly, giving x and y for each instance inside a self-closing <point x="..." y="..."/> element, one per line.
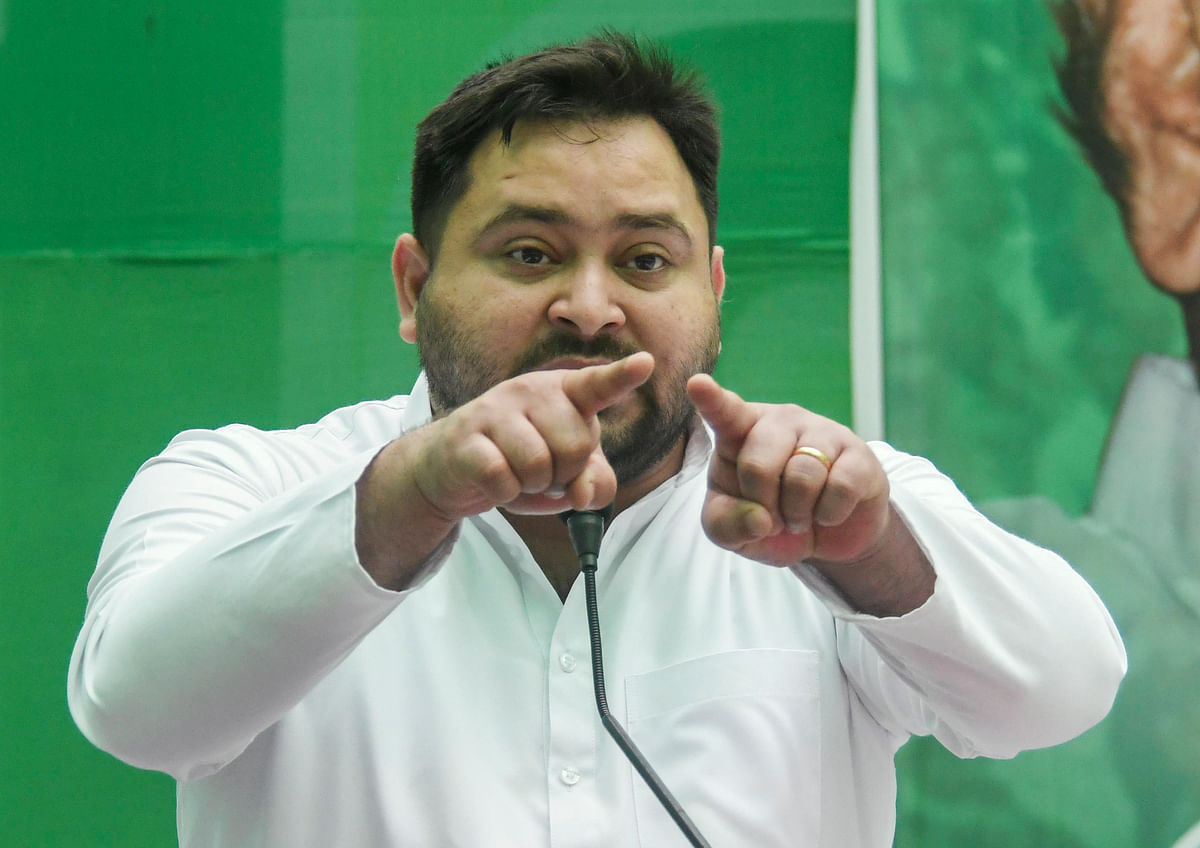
<point x="771" y="502"/>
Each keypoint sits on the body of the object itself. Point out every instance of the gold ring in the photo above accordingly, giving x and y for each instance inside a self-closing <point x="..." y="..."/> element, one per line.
<point x="815" y="453"/>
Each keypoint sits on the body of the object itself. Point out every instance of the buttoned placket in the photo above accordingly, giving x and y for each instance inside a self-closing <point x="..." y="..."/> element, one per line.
<point x="580" y="814"/>
<point x="575" y="808"/>
<point x="575" y="805"/>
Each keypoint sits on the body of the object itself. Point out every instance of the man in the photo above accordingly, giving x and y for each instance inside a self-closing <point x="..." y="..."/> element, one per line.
<point x="368" y="631"/>
<point x="1130" y="79"/>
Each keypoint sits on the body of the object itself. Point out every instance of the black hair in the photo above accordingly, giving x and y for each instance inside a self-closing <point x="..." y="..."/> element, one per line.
<point x="1080" y="79"/>
<point x="606" y="76"/>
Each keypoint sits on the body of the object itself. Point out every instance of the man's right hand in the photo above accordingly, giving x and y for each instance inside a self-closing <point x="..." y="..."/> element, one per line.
<point x="530" y="444"/>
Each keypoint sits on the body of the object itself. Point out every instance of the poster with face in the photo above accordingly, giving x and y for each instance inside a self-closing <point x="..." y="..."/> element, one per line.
<point x="1035" y="347"/>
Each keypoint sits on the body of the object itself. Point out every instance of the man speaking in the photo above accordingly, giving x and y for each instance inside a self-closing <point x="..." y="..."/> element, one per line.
<point x="368" y="631"/>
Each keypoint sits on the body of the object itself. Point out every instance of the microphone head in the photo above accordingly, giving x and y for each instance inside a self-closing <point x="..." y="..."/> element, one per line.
<point x="605" y="513"/>
<point x="586" y="528"/>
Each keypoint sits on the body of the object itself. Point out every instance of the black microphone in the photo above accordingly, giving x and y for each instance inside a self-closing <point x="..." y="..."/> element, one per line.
<point x="586" y="528"/>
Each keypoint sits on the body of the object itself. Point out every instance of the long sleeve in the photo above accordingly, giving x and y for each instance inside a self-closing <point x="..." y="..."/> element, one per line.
<point x="1013" y="651"/>
<point x="227" y="586"/>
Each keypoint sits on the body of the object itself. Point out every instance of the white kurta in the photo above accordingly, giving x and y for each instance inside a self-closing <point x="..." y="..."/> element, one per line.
<point x="233" y="641"/>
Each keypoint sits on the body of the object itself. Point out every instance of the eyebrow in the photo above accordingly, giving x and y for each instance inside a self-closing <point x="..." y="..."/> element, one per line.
<point x="659" y="221"/>
<point x="516" y="213"/>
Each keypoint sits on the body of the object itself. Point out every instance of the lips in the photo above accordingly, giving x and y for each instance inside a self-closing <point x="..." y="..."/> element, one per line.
<point x="564" y="351"/>
<point x="569" y="363"/>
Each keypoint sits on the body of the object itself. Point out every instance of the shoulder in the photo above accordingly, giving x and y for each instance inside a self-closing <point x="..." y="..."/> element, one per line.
<point x="336" y="436"/>
<point x="914" y="474"/>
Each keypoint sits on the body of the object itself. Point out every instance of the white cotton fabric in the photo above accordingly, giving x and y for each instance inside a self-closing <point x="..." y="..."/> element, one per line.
<point x="233" y="640"/>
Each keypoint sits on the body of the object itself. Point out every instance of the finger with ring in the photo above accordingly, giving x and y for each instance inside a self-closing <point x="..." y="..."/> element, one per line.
<point x="816" y="453"/>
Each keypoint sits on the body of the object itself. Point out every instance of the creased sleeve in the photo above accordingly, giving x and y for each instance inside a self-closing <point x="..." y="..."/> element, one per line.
<point x="1013" y="651"/>
<point x="227" y="586"/>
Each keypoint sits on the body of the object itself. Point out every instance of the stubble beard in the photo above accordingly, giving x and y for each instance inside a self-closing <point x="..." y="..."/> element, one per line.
<point x="458" y="369"/>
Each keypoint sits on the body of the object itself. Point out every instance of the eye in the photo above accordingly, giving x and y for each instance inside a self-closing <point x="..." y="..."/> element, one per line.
<point x="646" y="262"/>
<point x="529" y="256"/>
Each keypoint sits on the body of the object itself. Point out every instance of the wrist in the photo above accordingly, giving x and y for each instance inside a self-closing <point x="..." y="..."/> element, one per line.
<point x="396" y="528"/>
<point x="892" y="578"/>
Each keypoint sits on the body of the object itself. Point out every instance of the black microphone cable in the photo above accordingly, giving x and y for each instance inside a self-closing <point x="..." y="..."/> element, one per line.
<point x="586" y="528"/>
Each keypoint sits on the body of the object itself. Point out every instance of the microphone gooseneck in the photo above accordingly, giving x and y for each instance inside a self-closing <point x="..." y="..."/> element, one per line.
<point x="586" y="528"/>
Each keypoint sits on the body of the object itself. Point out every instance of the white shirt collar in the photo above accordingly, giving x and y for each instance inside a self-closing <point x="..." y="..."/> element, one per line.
<point x="1149" y="481"/>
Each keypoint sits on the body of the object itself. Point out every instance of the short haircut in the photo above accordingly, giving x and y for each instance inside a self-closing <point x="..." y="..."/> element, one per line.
<point x="607" y="76"/>
<point x="1080" y="79"/>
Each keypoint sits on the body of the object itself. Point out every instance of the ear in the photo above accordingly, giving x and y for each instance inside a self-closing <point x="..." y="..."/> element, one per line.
<point x="717" y="271"/>
<point x="410" y="270"/>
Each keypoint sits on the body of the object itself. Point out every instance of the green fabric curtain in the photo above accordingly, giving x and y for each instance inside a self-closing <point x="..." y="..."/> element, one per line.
<point x="197" y="207"/>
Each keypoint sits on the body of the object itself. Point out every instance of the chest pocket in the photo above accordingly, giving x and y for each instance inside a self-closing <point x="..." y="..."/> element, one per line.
<point x="737" y="738"/>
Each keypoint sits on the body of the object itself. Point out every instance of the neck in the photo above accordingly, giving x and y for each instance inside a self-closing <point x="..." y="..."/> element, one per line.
<point x="547" y="539"/>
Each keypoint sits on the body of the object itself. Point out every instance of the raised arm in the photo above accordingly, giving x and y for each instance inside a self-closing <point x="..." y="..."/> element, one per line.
<point x="241" y="567"/>
<point x="947" y="624"/>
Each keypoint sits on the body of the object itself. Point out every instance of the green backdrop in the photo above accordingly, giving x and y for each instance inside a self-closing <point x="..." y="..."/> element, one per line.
<point x="197" y="205"/>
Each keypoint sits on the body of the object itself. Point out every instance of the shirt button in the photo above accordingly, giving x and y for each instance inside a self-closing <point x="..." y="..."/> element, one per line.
<point x="567" y="663"/>
<point x="569" y="776"/>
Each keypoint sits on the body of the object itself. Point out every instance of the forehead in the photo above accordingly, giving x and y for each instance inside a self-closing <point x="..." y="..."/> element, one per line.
<point x="597" y="173"/>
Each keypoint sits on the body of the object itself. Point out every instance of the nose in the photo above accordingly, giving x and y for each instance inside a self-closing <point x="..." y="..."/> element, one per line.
<point x="585" y="305"/>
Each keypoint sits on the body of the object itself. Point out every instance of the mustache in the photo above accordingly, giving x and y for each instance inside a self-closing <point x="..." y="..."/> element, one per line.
<point x="564" y="344"/>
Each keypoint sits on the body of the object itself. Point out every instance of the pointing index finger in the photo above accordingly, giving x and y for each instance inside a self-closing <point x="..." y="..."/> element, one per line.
<point x="725" y="411"/>
<point x="598" y="387"/>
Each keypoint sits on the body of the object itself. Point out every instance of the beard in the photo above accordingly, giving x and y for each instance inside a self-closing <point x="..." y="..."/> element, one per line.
<point x="459" y="369"/>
